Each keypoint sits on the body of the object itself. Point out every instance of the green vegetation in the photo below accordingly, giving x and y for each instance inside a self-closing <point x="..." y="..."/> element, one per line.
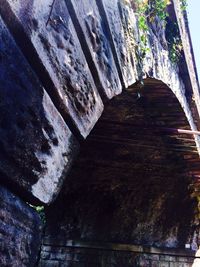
<point x="40" y="211"/>
<point x="174" y="41"/>
<point x="183" y="4"/>
<point x="148" y="11"/>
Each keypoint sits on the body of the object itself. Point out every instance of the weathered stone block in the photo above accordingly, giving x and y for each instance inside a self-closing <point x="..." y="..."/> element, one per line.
<point x="154" y="263"/>
<point x="164" y="264"/>
<point x="20" y="232"/>
<point x="44" y="255"/>
<point x="49" y="263"/>
<point x="36" y="146"/>
<point x="97" y="39"/>
<point x="131" y="34"/>
<point x="53" y="36"/>
<point x="125" y="53"/>
<point x="187" y="49"/>
<point x="168" y="258"/>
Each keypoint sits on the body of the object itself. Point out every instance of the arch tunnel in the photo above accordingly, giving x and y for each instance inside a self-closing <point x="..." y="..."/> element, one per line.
<point x="134" y="179"/>
<point x="134" y="185"/>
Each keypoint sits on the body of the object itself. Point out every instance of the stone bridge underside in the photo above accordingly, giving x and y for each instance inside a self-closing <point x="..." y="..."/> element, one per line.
<point x="136" y="177"/>
<point x="131" y="179"/>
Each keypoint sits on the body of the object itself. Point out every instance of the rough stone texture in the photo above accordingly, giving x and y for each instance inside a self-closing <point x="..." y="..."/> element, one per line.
<point x="131" y="34"/>
<point x="156" y="63"/>
<point x="20" y="232"/>
<point x="53" y="36"/>
<point x="119" y="27"/>
<point x="136" y="180"/>
<point x="80" y="255"/>
<point x="97" y="38"/>
<point x="188" y="51"/>
<point x="119" y="200"/>
<point x="37" y="147"/>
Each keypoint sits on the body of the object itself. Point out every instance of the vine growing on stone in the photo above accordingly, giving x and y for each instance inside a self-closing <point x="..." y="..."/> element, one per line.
<point x="174" y="41"/>
<point x="148" y="11"/>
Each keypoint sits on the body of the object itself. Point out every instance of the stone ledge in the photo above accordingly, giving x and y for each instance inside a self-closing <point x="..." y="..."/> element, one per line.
<point x="118" y="247"/>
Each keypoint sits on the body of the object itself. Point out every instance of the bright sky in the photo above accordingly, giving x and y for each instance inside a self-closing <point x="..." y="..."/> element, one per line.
<point x="194" y="24"/>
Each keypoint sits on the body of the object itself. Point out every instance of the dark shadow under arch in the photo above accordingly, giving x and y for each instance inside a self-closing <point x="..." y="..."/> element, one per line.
<point x="133" y="180"/>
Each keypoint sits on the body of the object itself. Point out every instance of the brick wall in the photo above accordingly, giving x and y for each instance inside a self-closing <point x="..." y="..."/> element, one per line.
<point x="89" y="255"/>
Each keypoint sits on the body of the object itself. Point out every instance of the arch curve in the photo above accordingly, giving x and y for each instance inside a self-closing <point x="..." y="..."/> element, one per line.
<point x="132" y="181"/>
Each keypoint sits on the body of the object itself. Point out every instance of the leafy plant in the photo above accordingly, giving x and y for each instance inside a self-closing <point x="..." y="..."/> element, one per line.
<point x="174" y="41"/>
<point x="41" y="212"/>
<point x="158" y="8"/>
<point x="183" y="4"/>
<point x="147" y="11"/>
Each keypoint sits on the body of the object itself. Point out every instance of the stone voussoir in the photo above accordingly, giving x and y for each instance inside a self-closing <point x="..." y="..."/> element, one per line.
<point x="96" y="38"/>
<point x="49" y="30"/>
<point x="123" y="46"/>
<point x="37" y="147"/>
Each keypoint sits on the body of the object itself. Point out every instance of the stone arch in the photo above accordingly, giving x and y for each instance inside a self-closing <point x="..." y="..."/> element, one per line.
<point x="54" y="54"/>
<point x="125" y="185"/>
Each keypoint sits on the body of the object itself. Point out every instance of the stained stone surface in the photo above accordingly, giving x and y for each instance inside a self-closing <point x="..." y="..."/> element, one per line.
<point x="97" y="38"/>
<point x="76" y="47"/>
<point x="53" y="36"/>
<point x="131" y="33"/>
<point x="188" y="51"/>
<point x="125" y="186"/>
<point x="119" y="28"/>
<point x="36" y="146"/>
<point x="20" y="232"/>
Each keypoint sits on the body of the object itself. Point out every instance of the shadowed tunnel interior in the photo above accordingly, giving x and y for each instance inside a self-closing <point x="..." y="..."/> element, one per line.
<point x="133" y="180"/>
